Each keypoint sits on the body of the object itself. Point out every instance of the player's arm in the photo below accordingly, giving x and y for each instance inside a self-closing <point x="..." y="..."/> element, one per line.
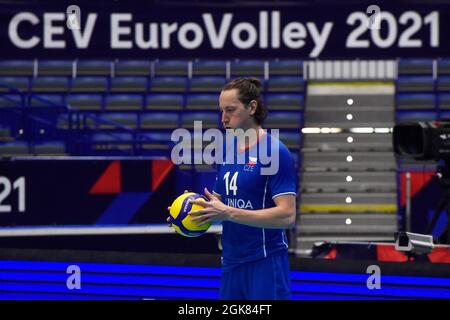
<point x="282" y="216"/>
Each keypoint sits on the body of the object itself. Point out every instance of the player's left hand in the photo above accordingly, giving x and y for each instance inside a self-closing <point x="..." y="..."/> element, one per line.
<point x="214" y="210"/>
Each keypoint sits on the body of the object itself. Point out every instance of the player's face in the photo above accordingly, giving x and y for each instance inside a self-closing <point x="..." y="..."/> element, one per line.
<point x="234" y="113"/>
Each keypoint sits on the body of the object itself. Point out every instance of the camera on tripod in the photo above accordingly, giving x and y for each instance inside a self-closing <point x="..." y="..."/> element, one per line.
<point x="428" y="140"/>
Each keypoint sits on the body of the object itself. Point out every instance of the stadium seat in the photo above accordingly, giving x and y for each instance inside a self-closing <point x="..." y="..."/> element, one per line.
<point x="129" y="84"/>
<point x="159" y="120"/>
<point x="283" y="120"/>
<point x="14" y="148"/>
<point x="168" y="101"/>
<point x="444" y="101"/>
<point x="169" y="84"/>
<point x="415" y="67"/>
<point x="156" y="140"/>
<point x="110" y="141"/>
<point x="132" y="68"/>
<point x="171" y="68"/>
<point x="285" y="68"/>
<point x="284" y="101"/>
<point x="47" y="100"/>
<point x="16" y="68"/>
<point x="443" y="84"/>
<point x="416" y="116"/>
<point x="53" y="148"/>
<point x="55" y="68"/>
<point x="407" y="101"/>
<point x="421" y="83"/>
<point x="209" y="68"/>
<point x="443" y="67"/>
<point x="123" y="102"/>
<point x="50" y="84"/>
<point x="291" y="139"/>
<point x="10" y="100"/>
<point x="5" y="134"/>
<point x="94" y="68"/>
<point x="285" y="84"/>
<point x="12" y="84"/>
<point x="202" y="102"/>
<point x="85" y="101"/>
<point x="208" y="119"/>
<point x="115" y="120"/>
<point x="89" y="84"/>
<point x="207" y="84"/>
<point x="247" y="68"/>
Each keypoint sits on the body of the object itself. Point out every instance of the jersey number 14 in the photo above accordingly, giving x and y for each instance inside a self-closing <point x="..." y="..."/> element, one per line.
<point x="232" y="185"/>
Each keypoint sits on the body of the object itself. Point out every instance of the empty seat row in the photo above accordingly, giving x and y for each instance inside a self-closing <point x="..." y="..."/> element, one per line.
<point x="137" y="84"/>
<point x="408" y="101"/>
<point x="151" y="68"/>
<point x="421" y="83"/>
<point x="273" y="101"/>
<point x="423" y="67"/>
<point x="170" y="120"/>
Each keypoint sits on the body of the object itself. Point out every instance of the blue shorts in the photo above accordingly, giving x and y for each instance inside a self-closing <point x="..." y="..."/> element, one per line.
<point x="266" y="279"/>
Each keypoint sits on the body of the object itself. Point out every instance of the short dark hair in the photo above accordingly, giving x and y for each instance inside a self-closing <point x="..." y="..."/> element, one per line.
<point x="249" y="89"/>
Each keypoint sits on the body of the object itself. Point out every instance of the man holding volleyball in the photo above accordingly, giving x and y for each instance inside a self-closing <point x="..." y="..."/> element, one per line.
<point x="254" y="208"/>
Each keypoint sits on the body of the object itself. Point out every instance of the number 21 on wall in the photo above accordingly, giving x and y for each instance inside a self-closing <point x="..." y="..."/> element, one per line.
<point x="5" y="191"/>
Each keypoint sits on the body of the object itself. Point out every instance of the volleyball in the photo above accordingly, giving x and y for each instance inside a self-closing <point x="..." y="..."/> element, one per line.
<point x="180" y="219"/>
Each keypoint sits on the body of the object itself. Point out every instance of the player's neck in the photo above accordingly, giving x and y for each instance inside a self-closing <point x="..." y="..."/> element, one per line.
<point x="253" y="135"/>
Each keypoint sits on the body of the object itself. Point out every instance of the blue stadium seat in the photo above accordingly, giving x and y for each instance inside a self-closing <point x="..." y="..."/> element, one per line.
<point x="291" y="139"/>
<point x="443" y="83"/>
<point x="415" y="67"/>
<point x="209" y="68"/>
<point x="117" y="119"/>
<point x="284" y="101"/>
<point x="286" y="68"/>
<point x="50" y="148"/>
<point x="247" y="68"/>
<point x="89" y="84"/>
<point x="208" y="119"/>
<point x="50" y="84"/>
<point x="444" y="101"/>
<point x="416" y="116"/>
<point x="156" y="140"/>
<point x="123" y="102"/>
<point x="419" y="83"/>
<point x="283" y="120"/>
<point x="168" y="101"/>
<point x="12" y="84"/>
<point x="47" y="100"/>
<point x="159" y="120"/>
<point x="55" y="68"/>
<point x="207" y="84"/>
<point x="285" y="84"/>
<point x="171" y="68"/>
<point x="16" y="67"/>
<point x="169" y="84"/>
<point x="203" y="102"/>
<point x="129" y="84"/>
<point x="10" y="100"/>
<point x="407" y="101"/>
<point x="443" y="67"/>
<point x="109" y="142"/>
<point x="85" y="101"/>
<point x="94" y="68"/>
<point x="132" y="68"/>
<point x="14" y="148"/>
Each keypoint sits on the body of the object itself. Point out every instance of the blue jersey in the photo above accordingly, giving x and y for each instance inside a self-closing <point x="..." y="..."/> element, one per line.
<point x="243" y="186"/>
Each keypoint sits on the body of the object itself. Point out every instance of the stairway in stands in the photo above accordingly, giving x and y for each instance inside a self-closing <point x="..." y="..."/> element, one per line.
<point x="348" y="180"/>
